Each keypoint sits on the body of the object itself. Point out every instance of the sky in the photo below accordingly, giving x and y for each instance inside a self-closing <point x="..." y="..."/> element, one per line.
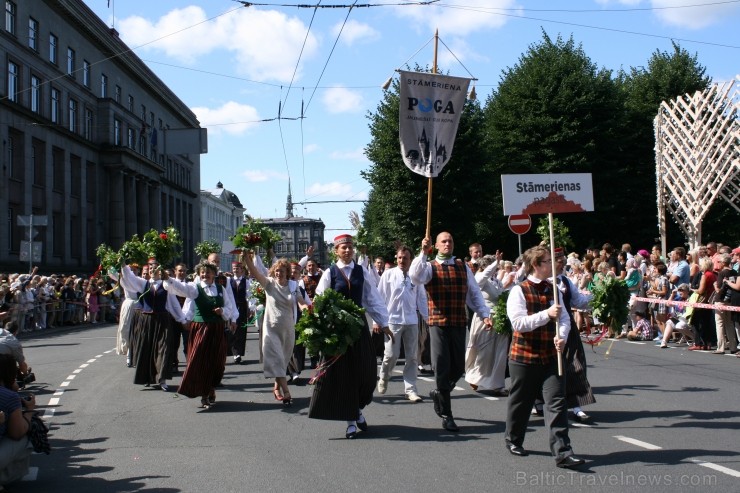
<point x="238" y="68"/>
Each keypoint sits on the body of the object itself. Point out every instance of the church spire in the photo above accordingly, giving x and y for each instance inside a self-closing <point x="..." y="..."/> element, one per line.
<point x="289" y="204"/>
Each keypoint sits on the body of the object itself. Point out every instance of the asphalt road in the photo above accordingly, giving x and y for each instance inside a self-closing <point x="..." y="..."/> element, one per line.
<point x="665" y="421"/>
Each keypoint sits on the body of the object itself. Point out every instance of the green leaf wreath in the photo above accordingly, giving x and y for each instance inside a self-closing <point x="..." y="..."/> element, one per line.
<point x="610" y="301"/>
<point x="501" y="322"/>
<point x="133" y="251"/>
<point x="163" y="245"/>
<point x="334" y="324"/>
<point x="255" y="234"/>
<point x="207" y="247"/>
<point x="109" y="258"/>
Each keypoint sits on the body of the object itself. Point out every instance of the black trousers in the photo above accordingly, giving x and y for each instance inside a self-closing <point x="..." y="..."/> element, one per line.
<point x="236" y="343"/>
<point x="527" y="381"/>
<point x="448" y="361"/>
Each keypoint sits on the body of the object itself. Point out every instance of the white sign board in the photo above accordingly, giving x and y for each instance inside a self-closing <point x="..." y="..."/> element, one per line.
<point x="548" y="193"/>
<point x="33" y="248"/>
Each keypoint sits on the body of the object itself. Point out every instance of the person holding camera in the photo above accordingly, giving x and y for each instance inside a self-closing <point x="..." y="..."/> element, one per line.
<point x="10" y="345"/>
<point x="15" y="451"/>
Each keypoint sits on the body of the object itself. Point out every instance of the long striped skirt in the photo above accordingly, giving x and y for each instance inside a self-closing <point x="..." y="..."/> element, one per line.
<point x="577" y="388"/>
<point x="152" y="349"/>
<point x="206" y="359"/>
<point x="348" y="384"/>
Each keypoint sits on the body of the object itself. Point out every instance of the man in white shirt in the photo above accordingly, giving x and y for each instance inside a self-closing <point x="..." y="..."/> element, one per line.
<point x="403" y="298"/>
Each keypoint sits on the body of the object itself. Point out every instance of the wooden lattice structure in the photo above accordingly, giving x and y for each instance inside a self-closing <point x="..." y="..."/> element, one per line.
<point x="697" y="155"/>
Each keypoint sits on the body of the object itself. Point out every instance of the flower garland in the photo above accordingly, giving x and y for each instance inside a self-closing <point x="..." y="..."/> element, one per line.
<point x="334" y="324"/>
<point x="109" y="258"/>
<point x="257" y="292"/>
<point x="501" y="322"/>
<point x="133" y="251"/>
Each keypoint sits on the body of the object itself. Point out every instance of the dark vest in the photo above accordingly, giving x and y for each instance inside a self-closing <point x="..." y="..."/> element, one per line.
<point x="351" y="290"/>
<point x="154" y="302"/>
<point x="204" y="305"/>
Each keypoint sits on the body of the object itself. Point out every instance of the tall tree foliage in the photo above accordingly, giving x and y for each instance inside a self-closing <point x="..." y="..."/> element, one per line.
<point x="556" y="112"/>
<point x="397" y="204"/>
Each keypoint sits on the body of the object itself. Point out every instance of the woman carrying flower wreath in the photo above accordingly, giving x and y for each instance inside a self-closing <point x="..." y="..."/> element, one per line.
<point x="347" y="385"/>
<point x="279" y="322"/>
<point x="206" y="342"/>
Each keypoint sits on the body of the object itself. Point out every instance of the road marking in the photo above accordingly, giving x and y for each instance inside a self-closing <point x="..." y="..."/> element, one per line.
<point x="71" y="377"/>
<point x="48" y="413"/>
<point x="109" y="351"/>
<point x="53" y="401"/>
<point x="426" y="379"/>
<point x="639" y="443"/>
<point x="65" y="383"/>
<point x="91" y="360"/>
<point x="716" y="467"/>
<point x="58" y="392"/>
<point x="635" y="342"/>
<point x="77" y="370"/>
<point x="580" y="425"/>
<point x="84" y="365"/>
<point x="99" y="356"/>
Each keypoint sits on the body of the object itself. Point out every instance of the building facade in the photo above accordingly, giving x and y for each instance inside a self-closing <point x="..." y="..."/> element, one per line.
<point x="297" y="234"/>
<point x="221" y="215"/>
<point x="82" y="124"/>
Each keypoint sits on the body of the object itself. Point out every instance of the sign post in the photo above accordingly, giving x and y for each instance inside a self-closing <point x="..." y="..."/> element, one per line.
<point x="30" y="249"/>
<point x="548" y="194"/>
<point x="520" y="224"/>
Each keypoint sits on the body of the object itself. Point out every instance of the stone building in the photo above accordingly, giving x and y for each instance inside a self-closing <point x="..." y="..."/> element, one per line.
<point x="83" y="127"/>
<point x="221" y="215"/>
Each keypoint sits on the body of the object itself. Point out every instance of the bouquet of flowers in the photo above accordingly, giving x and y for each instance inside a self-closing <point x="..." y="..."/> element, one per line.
<point x="258" y="293"/>
<point x="254" y="234"/>
<point x="610" y="302"/>
<point x="501" y="322"/>
<point x="207" y="247"/>
<point x="334" y="324"/>
<point x="109" y="258"/>
<point x="133" y="251"/>
<point x="163" y="245"/>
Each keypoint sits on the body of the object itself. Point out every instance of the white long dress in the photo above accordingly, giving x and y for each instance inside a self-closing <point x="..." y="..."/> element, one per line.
<point x="278" y="328"/>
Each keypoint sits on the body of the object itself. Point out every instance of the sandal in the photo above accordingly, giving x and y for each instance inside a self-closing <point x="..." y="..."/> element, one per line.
<point x="278" y="396"/>
<point x="204" y="403"/>
<point x="287" y="399"/>
<point x="212" y="398"/>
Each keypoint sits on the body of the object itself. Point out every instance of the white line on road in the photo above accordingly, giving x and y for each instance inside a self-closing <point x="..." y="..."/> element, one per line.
<point x="91" y="360"/>
<point x="77" y="370"/>
<point x="84" y="365"/>
<point x="71" y="377"/>
<point x="99" y="356"/>
<point x="639" y="443"/>
<point x="53" y="401"/>
<point x="33" y="473"/>
<point x="635" y="342"/>
<point x="58" y="392"/>
<point x="49" y="413"/>
<point x="716" y="467"/>
<point x="64" y="384"/>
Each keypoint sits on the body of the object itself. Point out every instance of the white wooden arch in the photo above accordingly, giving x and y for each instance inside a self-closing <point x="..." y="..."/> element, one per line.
<point x="697" y="155"/>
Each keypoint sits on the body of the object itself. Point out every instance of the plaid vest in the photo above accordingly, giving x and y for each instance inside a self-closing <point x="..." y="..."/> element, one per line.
<point x="535" y="347"/>
<point x="446" y="294"/>
<point x="310" y="282"/>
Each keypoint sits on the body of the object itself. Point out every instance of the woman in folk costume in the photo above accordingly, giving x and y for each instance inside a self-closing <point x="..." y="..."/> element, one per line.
<point x="152" y="349"/>
<point x="487" y="351"/>
<point x="281" y="299"/>
<point x="126" y="315"/>
<point x="207" y="341"/>
<point x="347" y="385"/>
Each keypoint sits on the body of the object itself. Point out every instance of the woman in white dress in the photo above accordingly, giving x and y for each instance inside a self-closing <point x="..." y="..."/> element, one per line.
<point x="279" y="322"/>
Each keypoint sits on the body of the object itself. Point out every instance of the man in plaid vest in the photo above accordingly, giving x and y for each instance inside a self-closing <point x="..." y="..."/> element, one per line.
<point x="540" y="329"/>
<point x="450" y="287"/>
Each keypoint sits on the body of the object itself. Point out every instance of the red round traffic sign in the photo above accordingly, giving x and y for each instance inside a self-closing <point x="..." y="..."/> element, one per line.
<point x="520" y="223"/>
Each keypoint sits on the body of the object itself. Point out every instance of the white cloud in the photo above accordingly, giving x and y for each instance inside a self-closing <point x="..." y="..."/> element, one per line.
<point x="693" y="17"/>
<point x="355" y="155"/>
<point x="311" y="148"/>
<point x="461" y="17"/>
<point x="354" y="31"/>
<point x="265" y="43"/>
<point x="231" y="118"/>
<point x="331" y="189"/>
<point x="342" y="100"/>
<point x="258" y="175"/>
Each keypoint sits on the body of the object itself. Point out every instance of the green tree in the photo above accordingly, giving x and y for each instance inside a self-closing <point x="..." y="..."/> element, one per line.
<point x="668" y="75"/>
<point x="556" y="112"/>
<point x="559" y="230"/>
<point x="397" y="203"/>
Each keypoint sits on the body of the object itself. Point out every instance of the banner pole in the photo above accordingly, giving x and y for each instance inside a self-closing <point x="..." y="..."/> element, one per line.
<point x="429" y="185"/>
<point x="555" y="292"/>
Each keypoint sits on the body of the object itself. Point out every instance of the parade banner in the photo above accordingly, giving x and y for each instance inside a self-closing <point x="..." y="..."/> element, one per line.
<point x="429" y="113"/>
<point x="547" y="194"/>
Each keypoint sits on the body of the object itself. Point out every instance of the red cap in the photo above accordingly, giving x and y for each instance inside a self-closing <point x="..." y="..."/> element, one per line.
<point x="345" y="238"/>
<point x="736" y="251"/>
<point x="559" y="252"/>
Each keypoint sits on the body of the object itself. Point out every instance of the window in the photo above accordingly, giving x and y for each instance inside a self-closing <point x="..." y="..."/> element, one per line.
<point x="16" y="157"/>
<point x="38" y="161"/>
<point x="116" y="131"/>
<point x="142" y="142"/>
<point x="10" y="16"/>
<point x="75" y="165"/>
<point x="117" y="95"/>
<point x="13" y="81"/>
<point x="35" y="94"/>
<point x="57" y="234"/>
<point x="143" y="114"/>
<point x="86" y="73"/>
<point x="11" y="155"/>
<point x="103" y="86"/>
<point x="33" y="34"/>
<point x="88" y="124"/>
<point x="57" y="165"/>
<point x="71" y="60"/>
<point x="72" y="115"/>
<point x="130" y="103"/>
<point x="54" y="113"/>
<point x="131" y="139"/>
<point x="53" y="47"/>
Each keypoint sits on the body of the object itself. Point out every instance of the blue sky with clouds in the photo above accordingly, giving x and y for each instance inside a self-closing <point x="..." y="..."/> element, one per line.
<point x="238" y="67"/>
